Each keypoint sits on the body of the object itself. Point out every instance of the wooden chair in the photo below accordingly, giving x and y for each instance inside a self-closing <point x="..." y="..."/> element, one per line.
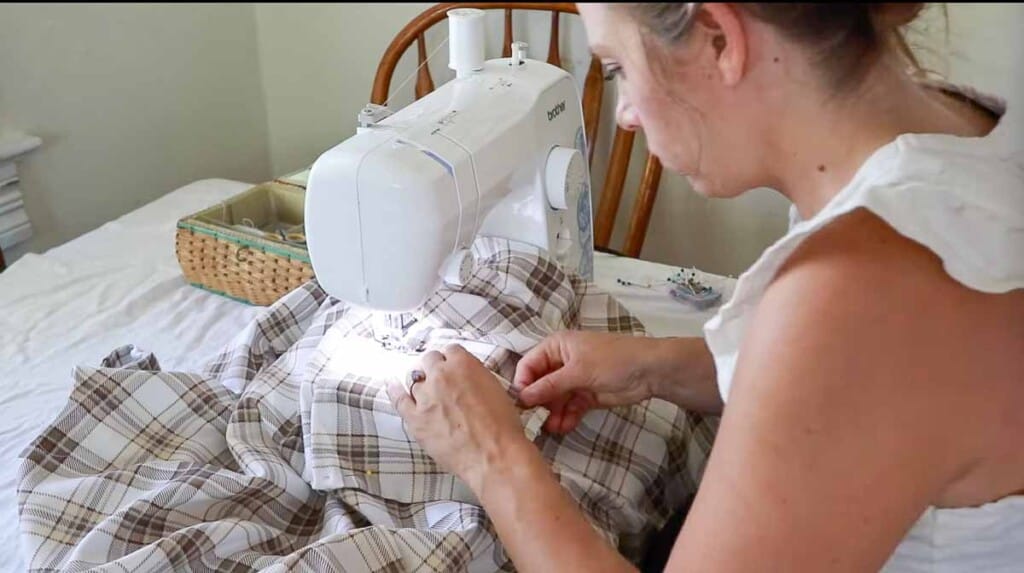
<point x="593" y="92"/>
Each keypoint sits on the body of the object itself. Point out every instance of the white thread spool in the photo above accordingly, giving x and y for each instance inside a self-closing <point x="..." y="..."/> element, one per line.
<point x="465" y="41"/>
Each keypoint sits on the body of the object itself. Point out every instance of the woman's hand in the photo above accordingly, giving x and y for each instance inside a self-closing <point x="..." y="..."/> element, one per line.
<point x="572" y="372"/>
<point x="460" y="414"/>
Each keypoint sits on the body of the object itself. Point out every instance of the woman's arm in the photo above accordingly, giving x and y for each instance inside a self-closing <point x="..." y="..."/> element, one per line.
<point x="538" y="523"/>
<point x="844" y="421"/>
<point x="462" y="416"/>
<point x="685" y="375"/>
<point x="572" y="372"/>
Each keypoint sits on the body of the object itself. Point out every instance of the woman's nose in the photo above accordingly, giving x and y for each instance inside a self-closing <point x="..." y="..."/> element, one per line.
<point x="625" y="114"/>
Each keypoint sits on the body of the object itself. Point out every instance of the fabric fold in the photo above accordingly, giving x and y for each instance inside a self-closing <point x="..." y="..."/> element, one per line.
<point x="146" y="470"/>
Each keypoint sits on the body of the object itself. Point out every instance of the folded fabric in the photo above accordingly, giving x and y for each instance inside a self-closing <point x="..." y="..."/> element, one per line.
<point x="146" y="470"/>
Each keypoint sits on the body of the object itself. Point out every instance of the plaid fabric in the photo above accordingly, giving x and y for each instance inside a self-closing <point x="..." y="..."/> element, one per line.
<point x="230" y="468"/>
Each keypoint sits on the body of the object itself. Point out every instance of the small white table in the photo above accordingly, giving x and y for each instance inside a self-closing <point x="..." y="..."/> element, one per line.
<point x="14" y="224"/>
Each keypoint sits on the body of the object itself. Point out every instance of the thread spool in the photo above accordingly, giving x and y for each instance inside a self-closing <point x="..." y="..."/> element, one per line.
<point x="465" y="41"/>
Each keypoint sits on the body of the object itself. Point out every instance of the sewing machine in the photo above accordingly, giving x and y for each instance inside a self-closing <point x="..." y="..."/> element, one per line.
<point x="498" y="151"/>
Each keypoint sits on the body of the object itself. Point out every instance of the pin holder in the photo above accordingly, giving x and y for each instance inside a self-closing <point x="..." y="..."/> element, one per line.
<point x="685" y="287"/>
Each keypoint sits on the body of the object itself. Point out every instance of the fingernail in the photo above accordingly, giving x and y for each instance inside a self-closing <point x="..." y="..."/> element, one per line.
<point x="392" y="390"/>
<point x="418" y="375"/>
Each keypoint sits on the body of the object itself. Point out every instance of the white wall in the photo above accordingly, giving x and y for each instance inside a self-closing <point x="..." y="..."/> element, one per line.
<point x="978" y="44"/>
<point x="131" y="101"/>
<point x="318" y="62"/>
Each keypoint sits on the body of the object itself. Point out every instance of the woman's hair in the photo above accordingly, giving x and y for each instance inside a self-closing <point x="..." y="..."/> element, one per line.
<point x="847" y="38"/>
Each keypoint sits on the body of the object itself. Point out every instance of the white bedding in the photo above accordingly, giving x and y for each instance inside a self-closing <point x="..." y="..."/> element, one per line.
<point x="121" y="284"/>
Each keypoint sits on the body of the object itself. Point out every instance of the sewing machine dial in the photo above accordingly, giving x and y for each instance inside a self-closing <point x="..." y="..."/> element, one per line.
<point x="565" y="175"/>
<point x="565" y="179"/>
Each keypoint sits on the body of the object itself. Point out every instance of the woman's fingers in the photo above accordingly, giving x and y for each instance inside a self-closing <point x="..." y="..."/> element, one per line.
<point x="459" y="413"/>
<point x="580" y="402"/>
<point x="557" y="408"/>
<point x="456" y="352"/>
<point x="401" y="400"/>
<point x="431" y="360"/>
<point x="550" y="387"/>
<point x="541" y="378"/>
<point x="538" y="361"/>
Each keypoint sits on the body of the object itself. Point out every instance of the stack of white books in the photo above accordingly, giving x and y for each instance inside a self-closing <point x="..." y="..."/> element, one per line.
<point x="14" y="224"/>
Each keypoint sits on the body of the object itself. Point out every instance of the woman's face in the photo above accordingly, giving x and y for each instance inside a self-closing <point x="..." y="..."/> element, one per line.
<point x="693" y="119"/>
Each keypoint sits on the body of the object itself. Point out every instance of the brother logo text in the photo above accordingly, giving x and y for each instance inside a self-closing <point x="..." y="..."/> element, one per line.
<point x="553" y="112"/>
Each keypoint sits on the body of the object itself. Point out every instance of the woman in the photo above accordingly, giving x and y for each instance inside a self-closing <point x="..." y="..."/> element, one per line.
<point x="871" y="360"/>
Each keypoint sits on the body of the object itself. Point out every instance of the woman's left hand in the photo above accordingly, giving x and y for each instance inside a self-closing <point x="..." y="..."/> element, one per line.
<point x="460" y="414"/>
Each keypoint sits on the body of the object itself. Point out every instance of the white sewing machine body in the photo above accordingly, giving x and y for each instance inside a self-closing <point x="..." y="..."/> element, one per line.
<point x="499" y="151"/>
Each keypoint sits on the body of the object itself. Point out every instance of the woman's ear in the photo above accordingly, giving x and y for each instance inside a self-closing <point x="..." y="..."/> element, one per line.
<point x="724" y="27"/>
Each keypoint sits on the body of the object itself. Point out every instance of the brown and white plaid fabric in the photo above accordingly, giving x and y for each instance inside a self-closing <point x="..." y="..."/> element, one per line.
<point x="284" y="455"/>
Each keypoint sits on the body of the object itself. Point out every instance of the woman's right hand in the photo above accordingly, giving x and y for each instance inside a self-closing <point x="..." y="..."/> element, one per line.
<point x="572" y="372"/>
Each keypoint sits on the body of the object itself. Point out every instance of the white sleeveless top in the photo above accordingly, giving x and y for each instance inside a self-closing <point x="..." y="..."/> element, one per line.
<point x="963" y="198"/>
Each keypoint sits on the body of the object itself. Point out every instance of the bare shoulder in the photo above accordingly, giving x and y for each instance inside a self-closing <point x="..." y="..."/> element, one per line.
<point x="869" y="386"/>
<point x="857" y="277"/>
<point x="858" y="262"/>
<point x="862" y="242"/>
<point x="879" y="312"/>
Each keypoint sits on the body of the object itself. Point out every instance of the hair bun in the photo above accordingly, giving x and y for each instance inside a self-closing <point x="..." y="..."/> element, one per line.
<point x="892" y="15"/>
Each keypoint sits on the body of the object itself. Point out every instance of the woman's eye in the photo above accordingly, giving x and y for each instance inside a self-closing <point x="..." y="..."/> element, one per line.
<point x="612" y="71"/>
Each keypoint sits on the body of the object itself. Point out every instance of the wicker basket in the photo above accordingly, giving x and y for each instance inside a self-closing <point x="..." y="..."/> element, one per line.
<point x="235" y="248"/>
